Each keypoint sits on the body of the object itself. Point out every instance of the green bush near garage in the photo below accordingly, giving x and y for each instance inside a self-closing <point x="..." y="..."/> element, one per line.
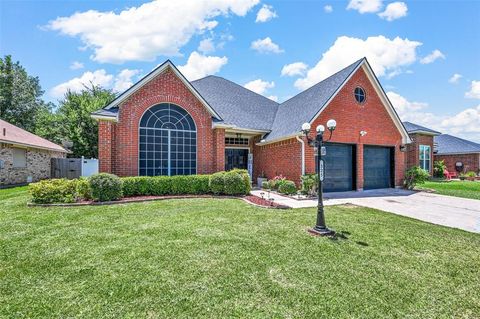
<point x="287" y="188"/>
<point x="54" y="191"/>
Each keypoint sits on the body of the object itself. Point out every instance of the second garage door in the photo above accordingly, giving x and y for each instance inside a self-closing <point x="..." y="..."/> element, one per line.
<point x="377" y="167"/>
<point x="339" y="175"/>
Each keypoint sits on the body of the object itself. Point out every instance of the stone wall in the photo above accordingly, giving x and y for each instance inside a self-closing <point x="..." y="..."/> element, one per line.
<point x="38" y="165"/>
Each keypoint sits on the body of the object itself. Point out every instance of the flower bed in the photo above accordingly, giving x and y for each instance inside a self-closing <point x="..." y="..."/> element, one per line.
<point x="262" y="202"/>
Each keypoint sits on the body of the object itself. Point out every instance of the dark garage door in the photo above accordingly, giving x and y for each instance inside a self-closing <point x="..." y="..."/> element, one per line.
<point x="377" y="167"/>
<point x="338" y="168"/>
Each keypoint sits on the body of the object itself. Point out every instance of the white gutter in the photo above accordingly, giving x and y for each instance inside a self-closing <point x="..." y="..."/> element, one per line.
<point x="303" y="153"/>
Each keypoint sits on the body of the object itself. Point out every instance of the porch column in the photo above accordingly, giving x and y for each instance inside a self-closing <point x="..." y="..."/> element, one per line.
<point x="219" y="149"/>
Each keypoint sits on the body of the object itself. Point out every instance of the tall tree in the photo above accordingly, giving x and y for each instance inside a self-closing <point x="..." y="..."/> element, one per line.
<point x="74" y="121"/>
<point x="20" y="95"/>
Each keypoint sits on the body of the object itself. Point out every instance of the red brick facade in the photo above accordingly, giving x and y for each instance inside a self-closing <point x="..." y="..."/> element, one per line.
<point x="412" y="157"/>
<point x="285" y="157"/>
<point x="119" y="141"/>
<point x="471" y="162"/>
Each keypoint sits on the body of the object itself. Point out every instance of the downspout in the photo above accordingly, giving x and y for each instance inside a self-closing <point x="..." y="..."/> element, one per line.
<point x="303" y="153"/>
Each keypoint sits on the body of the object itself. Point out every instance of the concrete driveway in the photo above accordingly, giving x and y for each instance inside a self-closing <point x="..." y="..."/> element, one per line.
<point x="443" y="210"/>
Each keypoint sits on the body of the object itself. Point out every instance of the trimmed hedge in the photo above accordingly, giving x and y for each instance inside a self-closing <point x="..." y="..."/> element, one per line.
<point x="54" y="191"/>
<point x="106" y="187"/>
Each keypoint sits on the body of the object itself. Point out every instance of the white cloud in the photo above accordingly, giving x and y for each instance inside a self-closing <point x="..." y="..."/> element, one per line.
<point x="259" y="86"/>
<point x="206" y="46"/>
<point x="199" y="65"/>
<point x="464" y="124"/>
<point x="436" y="54"/>
<point x="76" y="65"/>
<point x="265" y="46"/>
<point x="365" y="6"/>
<point x="273" y="98"/>
<point x="455" y="78"/>
<point x="328" y="8"/>
<point x="474" y="92"/>
<point x="296" y="68"/>
<point x="145" y="32"/>
<point x="124" y="80"/>
<point x="265" y="14"/>
<point x="384" y="55"/>
<point x="393" y="11"/>
<point x="98" y="77"/>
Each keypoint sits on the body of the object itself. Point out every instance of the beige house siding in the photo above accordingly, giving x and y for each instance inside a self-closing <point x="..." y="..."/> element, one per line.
<point x="38" y="165"/>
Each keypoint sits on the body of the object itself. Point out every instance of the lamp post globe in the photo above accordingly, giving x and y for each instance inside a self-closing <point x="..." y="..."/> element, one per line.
<point x="331" y="124"/>
<point x="306" y="127"/>
<point x="320" y="128"/>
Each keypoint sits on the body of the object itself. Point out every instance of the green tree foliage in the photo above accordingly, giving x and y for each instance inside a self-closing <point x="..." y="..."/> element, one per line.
<point x="73" y="122"/>
<point x="20" y="95"/>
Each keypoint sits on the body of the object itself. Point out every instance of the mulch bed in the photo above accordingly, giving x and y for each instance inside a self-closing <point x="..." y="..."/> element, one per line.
<point x="258" y="201"/>
<point x="250" y="199"/>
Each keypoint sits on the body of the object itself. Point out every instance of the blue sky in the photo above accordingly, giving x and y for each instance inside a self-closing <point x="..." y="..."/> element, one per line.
<point x="426" y="53"/>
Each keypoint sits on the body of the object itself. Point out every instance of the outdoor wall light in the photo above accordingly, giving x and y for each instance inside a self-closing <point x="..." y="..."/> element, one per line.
<point x="320" y="227"/>
<point x="363" y="133"/>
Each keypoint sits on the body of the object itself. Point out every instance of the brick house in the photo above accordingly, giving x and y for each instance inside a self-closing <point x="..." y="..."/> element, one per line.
<point x="167" y="125"/>
<point x="459" y="155"/>
<point x="421" y="151"/>
<point x="25" y="157"/>
<point x="427" y="146"/>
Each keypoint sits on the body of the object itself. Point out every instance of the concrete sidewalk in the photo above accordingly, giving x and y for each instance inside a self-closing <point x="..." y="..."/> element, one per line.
<point x="443" y="210"/>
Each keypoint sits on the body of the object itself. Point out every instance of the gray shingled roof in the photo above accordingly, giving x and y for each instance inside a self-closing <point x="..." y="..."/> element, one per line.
<point x="304" y="106"/>
<point x="112" y="112"/>
<point x="235" y="104"/>
<point x="414" y="128"/>
<point x="448" y="144"/>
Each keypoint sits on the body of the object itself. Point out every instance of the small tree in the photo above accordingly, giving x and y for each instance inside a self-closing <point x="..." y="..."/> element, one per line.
<point x="438" y="168"/>
<point x="415" y="176"/>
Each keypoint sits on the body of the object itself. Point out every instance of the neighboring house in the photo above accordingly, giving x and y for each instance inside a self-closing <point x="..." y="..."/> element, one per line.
<point x="420" y="151"/>
<point x="167" y="125"/>
<point x="25" y="157"/>
<point x="459" y="155"/>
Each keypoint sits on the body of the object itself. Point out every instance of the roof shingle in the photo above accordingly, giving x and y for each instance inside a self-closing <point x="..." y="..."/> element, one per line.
<point x="448" y="144"/>
<point x="415" y="128"/>
<point x="12" y="134"/>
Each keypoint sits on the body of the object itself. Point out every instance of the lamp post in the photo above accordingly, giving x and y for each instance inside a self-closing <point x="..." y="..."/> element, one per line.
<point x="320" y="227"/>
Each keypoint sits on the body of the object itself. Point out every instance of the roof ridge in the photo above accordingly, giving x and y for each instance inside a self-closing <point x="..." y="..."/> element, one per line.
<point x="239" y="85"/>
<point x="462" y="139"/>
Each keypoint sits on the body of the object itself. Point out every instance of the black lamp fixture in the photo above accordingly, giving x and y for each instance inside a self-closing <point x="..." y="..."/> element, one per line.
<point x="320" y="227"/>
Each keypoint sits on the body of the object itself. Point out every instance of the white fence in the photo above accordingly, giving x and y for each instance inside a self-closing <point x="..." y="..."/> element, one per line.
<point x="89" y="166"/>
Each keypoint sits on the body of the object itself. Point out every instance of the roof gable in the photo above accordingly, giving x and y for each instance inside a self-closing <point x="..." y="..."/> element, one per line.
<point x="12" y="134"/>
<point x="238" y="106"/>
<point x="448" y="144"/>
<point x="103" y="114"/>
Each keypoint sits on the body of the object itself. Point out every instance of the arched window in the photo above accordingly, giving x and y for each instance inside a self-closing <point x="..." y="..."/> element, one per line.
<point x="168" y="142"/>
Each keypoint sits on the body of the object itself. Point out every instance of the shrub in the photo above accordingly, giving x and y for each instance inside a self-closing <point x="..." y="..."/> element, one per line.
<point x="54" y="191"/>
<point x="83" y="189"/>
<point x="246" y="178"/>
<point x="265" y="185"/>
<point x="276" y="182"/>
<point x="470" y="174"/>
<point x="106" y="187"/>
<point x="309" y="184"/>
<point x="288" y="187"/>
<point x="217" y="183"/>
<point x="415" y="176"/>
<point x="438" y="168"/>
<point x="234" y="184"/>
<point x="200" y="184"/>
<point x="190" y="184"/>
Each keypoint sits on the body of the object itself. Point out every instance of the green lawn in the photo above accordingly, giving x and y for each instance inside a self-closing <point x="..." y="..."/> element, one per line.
<point x="224" y="258"/>
<point x="466" y="189"/>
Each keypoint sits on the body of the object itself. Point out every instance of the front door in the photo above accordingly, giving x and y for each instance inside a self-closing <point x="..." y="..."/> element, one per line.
<point x="236" y="158"/>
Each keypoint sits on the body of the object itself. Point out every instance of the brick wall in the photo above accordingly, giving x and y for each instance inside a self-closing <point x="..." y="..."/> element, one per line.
<point x="412" y="156"/>
<point x="123" y="136"/>
<point x="38" y="165"/>
<point x="471" y="162"/>
<point x="278" y="158"/>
